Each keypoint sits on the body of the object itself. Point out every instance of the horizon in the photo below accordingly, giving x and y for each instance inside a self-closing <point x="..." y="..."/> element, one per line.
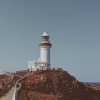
<point x="74" y="32"/>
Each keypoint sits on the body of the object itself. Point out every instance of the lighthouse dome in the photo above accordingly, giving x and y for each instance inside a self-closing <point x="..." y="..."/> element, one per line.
<point x="45" y="34"/>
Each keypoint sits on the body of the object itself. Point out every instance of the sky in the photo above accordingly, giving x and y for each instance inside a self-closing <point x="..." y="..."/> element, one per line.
<point x="73" y="26"/>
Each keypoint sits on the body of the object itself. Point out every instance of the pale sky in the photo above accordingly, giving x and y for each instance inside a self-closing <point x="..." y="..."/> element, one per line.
<point x="74" y="27"/>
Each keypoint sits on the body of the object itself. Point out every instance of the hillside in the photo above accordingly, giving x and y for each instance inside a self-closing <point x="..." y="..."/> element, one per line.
<point x="55" y="85"/>
<point x="6" y="83"/>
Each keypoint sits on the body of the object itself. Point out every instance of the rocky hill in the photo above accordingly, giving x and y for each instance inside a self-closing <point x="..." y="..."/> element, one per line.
<point x="55" y="85"/>
<point x="6" y="83"/>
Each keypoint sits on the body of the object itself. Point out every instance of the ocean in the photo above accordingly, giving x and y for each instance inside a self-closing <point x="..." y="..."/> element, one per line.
<point x="93" y="83"/>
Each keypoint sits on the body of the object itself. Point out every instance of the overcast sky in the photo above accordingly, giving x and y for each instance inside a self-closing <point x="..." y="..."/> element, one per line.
<point x="74" y="27"/>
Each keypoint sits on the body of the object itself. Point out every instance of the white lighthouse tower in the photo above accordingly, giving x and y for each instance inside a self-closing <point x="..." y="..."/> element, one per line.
<point x="45" y="46"/>
<point x="44" y="60"/>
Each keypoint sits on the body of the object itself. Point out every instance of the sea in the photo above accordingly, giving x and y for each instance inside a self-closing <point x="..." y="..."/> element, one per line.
<point x="93" y="83"/>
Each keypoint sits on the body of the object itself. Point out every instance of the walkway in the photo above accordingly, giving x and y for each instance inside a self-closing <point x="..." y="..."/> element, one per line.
<point x="9" y="95"/>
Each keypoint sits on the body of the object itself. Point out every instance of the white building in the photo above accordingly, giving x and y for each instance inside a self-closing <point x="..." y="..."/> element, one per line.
<point x="44" y="61"/>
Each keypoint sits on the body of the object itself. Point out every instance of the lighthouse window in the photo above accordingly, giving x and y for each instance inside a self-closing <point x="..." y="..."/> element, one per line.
<point x="45" y="38"/>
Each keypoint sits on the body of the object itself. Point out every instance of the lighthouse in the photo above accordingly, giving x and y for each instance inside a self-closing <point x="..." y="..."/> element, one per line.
<point x="43" y="63"/>
<point x="45" y="46"/>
